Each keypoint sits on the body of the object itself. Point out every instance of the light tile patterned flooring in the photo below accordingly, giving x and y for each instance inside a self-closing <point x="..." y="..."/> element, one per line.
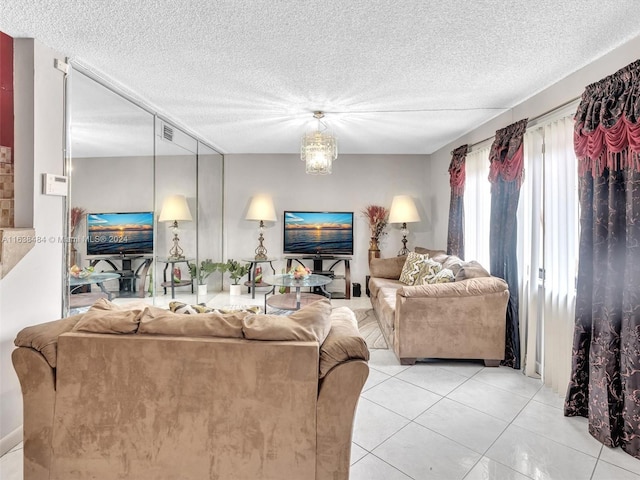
<point x="454" y="420"/>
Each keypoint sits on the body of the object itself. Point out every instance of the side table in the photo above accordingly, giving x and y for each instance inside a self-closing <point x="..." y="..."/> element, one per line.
<point x="251" y="282"/>
<point x="172" y="283"/>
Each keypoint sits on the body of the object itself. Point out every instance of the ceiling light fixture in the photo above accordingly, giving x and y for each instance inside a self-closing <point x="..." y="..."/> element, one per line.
<point x="319" y="150"/>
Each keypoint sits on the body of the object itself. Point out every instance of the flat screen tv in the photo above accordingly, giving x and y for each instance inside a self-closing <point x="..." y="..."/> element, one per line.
<point x="318" y="233"/>
<point x="120" y="233"/>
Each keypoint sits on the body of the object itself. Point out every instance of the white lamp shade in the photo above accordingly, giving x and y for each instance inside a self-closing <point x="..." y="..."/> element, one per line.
<point x="403" y="210"/>
<point x="175" y="208"/>
<point x="261" y="208"/>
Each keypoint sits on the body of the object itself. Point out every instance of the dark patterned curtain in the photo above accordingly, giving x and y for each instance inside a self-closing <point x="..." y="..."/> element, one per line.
<point x="455" y="237"/>
<point x="605" y="377"/>
<point x="505" y="174"/>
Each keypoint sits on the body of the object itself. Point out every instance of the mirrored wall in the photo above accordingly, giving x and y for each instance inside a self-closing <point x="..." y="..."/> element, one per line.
<point x="145" y="203"/>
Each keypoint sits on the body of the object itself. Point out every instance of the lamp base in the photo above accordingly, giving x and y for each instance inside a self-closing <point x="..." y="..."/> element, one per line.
<point x="261" y="251"/>
<point x="176" y="252"/>
<point x="404" y="250"/>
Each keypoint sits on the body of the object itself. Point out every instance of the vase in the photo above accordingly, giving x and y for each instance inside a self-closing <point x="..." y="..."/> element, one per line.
<point x="73" y="255"/>
<point x="235" y="290"/>
<point x="202" y="289"/>
<point x="374" y="250"/>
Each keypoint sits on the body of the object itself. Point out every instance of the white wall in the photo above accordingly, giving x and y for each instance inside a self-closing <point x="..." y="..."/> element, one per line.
<point x="356" y="181"/>
<point x="550" y="98"/>
<point x="31" y="292"/>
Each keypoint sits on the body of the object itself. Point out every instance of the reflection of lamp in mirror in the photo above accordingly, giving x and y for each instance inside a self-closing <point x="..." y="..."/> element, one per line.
<point x="261" y="209"/>
<point x="175" y="209"/>
<point x="403" y="210"/>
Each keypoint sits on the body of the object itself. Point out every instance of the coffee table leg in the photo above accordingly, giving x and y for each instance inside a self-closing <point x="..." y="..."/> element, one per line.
<point x="297" y="298"/>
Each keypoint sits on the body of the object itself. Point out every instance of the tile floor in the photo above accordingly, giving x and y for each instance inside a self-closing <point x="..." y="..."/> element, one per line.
<point x="455" y="420"/>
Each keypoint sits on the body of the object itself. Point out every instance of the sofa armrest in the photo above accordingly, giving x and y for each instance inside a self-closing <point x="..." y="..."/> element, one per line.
<point x="471" y="287"/>
<point x="387" y="267"/>
<point x="37" y="381"/>
<point x="344" y="342"/>
<point x="337" y="400"/>
<point x="44" y="337"/>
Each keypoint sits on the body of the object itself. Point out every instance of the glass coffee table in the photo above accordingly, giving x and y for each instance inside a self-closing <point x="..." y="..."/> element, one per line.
<point x="293" y="301"/>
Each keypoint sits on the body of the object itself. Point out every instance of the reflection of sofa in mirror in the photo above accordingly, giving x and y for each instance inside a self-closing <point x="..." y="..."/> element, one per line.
<point x="463" y="319"/>
<point x="190" y="396"/>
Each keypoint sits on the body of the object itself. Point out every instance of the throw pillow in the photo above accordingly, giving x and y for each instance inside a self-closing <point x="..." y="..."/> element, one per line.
<point x="411" y="268"/>
<point x="443" y="276"/>
<point x="309" y="324"/>
<point x="180" y="307"/>
<point x="428" y="270"/>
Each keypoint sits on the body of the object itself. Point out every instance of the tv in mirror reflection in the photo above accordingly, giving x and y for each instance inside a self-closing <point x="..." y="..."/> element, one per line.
<point x="120" y="233"/>
<point x="318" y="233"/>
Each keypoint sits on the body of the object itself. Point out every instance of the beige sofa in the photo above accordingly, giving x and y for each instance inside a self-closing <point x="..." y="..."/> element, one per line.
<point x="150" y="394"/>
<point x="464" y="319"/>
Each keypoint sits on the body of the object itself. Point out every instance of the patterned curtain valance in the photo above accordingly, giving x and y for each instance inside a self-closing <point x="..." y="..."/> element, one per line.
<point x="507" y="154"/>
<point x="457" y="173"/>
<point x="607" y="129"/>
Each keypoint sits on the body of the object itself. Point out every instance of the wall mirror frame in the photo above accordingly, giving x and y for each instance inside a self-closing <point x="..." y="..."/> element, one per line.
<point x="124" y="161"/>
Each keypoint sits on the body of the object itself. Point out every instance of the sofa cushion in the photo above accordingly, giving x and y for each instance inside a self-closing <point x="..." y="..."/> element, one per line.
<point x="412" y="266"/>
<point x="375" y="284"/>
<point x="310" y="323"/>
<point x="387" y="267"/>
<point x="343" y="342"/>
<point x="471" y="269"/>
<point x="44" y="337"/>
<point x="107" y="317"/>
<point x="158" y="321"/>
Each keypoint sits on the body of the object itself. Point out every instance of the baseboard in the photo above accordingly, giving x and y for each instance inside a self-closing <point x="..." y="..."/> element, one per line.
<point x="9" y="441"/>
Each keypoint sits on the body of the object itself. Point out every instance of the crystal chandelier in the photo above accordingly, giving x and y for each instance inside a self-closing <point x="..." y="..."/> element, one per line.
<point x="319" y="150"/>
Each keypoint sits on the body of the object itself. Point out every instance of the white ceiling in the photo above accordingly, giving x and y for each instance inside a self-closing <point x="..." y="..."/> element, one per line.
<point x="395" y="77"/>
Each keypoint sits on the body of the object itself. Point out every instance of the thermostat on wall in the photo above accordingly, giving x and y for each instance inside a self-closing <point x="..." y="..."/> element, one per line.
<point x="54" y="184"/>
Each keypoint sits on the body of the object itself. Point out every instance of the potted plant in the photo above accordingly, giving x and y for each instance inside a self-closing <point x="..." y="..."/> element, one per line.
<point x="236" y="272"/>
<point x="207" y="267"/>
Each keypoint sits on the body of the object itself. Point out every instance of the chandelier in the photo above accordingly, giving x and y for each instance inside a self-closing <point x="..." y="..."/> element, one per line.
<point x="319" y="150"/>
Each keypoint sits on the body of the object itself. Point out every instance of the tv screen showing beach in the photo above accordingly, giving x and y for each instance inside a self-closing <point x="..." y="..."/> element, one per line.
<point x="318" y="233"/>
<point x="120" y="233"/>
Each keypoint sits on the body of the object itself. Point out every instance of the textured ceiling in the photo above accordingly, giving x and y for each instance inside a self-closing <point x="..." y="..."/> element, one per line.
<point x="401" y="77"/>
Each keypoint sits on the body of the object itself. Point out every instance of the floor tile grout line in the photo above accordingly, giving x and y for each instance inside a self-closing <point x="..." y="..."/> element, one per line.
<point x="549" y="438"/>
<point x="392" y="466"/>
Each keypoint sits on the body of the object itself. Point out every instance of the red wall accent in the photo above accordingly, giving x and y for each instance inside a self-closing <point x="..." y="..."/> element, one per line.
<point x="6" y="91"/>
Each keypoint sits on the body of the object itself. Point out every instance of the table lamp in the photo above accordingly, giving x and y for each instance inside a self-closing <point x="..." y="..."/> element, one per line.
<point x="261" y="209"/>
<point x="403" y="210"/>
<point x="175" y="209"/>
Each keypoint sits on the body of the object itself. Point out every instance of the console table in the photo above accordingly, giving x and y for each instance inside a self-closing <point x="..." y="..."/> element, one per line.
<point x="127" y="275"/>
<point x="318" y="269"/>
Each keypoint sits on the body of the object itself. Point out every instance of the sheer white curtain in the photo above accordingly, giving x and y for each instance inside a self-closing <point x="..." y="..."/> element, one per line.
<point x="477" y="206"/>
<point x="548" y="250"/>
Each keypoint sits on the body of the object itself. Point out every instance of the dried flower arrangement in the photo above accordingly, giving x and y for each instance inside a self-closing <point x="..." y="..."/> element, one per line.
<point x="378" y="218"/>
<point x="77" y="214"/>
